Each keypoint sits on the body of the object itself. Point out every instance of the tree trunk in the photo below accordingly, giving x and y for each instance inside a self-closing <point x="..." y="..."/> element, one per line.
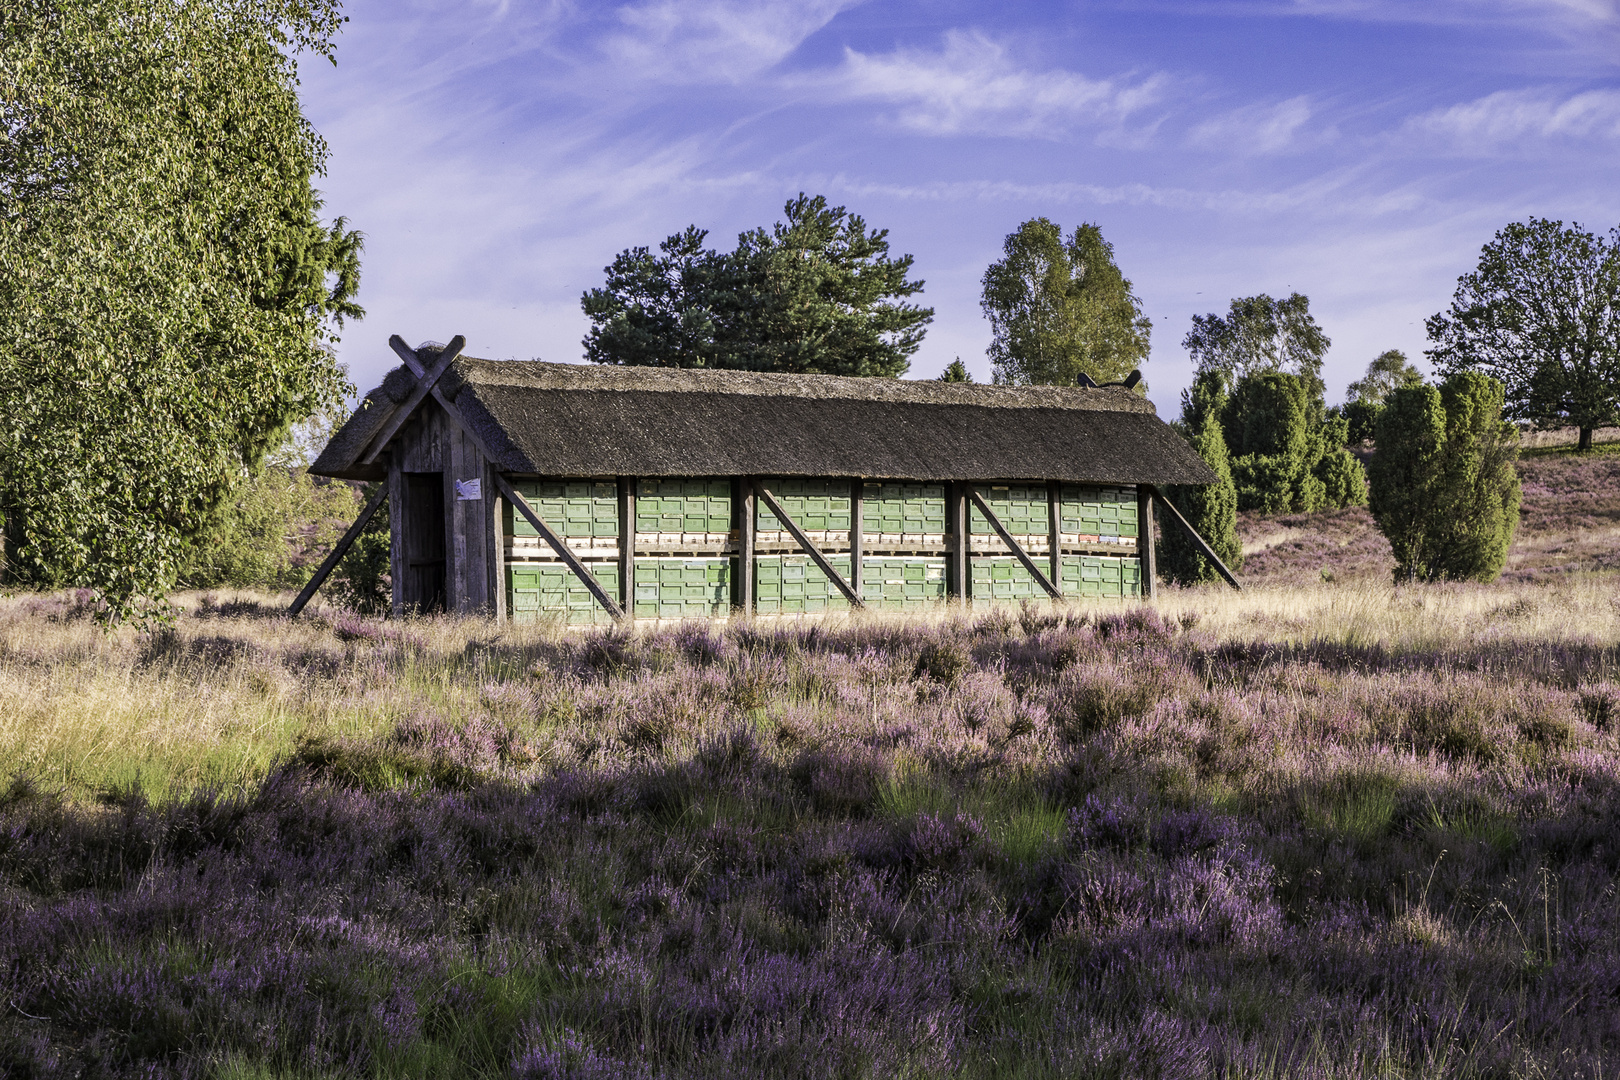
<point x="1586" y="439"/>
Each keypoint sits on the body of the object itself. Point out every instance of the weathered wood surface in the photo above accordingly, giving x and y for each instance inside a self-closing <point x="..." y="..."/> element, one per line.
<point x="809" y="547"/>
<point x="1198" y="541"/>
<point x="745" y="501"/>
<point x="408" y="355"/>
<point x="1054" y="531"/>
<point x="340" y="550"/>
<point x="857" y="525"/>
<point x="1017" y="548"/>
<point x="957" y="580"/>
<point x="424" y="386"/>
<point x="557" y="545"/>
<point x="1147" y="542"/>
<point x="627" y="545"/>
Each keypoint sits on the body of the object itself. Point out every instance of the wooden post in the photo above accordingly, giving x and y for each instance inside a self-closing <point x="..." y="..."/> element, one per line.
<point x="1147" y="541"/>
<point x="957" y="581"/>
<point x="397" y="556"/>
<point x="1054" y="531"/>
<point x="627" y="545"/>
<point x="1198" y="541"/>
<point x="808" y="546"/>
<point x="1017" y="548"/>
<point x="557" y="545"/>
<point x="339" y="551"/>
<point x="745" y="544"/>
<point x="495" y="526"/>
<point x="857" y="526"/>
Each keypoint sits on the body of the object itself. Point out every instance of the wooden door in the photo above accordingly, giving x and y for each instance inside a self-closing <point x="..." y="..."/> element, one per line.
<point x="424" y="542"/>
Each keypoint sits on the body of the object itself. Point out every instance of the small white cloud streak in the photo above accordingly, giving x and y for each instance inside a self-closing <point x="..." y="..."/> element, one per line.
<point x="704" y="41"/>
<point x="972" y="86"/>
<point x="1255" y="129"/>
<point x="1507" y="117"/>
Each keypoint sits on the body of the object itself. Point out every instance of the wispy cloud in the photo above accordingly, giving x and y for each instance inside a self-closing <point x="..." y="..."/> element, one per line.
<point x="1510" y="117"/>
<point x="972" y="86"/>
<point x="1256" y="129"/>
<point x="713" y="40"/>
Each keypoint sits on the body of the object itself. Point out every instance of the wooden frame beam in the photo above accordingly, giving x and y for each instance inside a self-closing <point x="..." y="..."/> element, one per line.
<point x="584" y="575"/>
<point x="1054" y="531"/>
<point x="627" y="545"/>
<point x="857" y="533"/>
<point x="424" y="385"/>
<point x="407" y="354"/>
<point x="1147" y="542"/>
<point x="1198" y="541"/>
<point x="342" y="549"/>
<point x="809" y="547"/>
<point x="1017" y="548"/>
<point x="958" y="577"/>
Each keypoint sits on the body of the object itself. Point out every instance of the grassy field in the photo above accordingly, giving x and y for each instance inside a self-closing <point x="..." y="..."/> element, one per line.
<point x="1320" y="828"/>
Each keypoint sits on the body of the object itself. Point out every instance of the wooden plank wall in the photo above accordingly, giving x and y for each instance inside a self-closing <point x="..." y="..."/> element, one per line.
<point x="430" y="443"/>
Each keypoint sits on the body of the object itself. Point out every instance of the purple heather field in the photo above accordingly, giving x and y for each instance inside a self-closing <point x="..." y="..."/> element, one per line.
<point x="1324" y="829"/>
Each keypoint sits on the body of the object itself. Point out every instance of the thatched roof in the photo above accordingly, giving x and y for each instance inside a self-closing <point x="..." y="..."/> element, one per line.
<point x="578" y="420"/>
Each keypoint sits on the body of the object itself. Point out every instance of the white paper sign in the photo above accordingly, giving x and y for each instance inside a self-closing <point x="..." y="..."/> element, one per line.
<point x="469" y="490"/>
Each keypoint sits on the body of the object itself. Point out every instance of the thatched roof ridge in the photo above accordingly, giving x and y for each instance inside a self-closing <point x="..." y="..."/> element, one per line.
<point x="579" y="420"/>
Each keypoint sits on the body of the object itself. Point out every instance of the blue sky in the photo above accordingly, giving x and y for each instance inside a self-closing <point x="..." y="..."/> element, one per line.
<point x="498" y="154"/>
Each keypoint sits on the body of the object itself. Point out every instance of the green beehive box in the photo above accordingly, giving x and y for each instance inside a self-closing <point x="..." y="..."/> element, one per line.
<point x="814" y="505"/>
<point x="1098" y="511"/>
<point x="999" y="578"/>
<point x="682" y="588"/>
<point x="1101" y="576"/>
<point x="917" y="509"/>
<point x="902" y="582"/>
<point x="576" y="509"/>
<point x="794" y="584"/>
<point x="686" y="505"/>
<point x="1022" y="508"/>
<point x="536" y="592"/>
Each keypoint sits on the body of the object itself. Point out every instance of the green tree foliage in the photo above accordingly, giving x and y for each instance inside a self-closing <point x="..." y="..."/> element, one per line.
<point x="1210" y="509"/>
<point x="956" y="371"/>
<point x="817" y="293"/>
<point x="275" y="529"/>
<point x="1059" y="309"/>
<point x="1388" y="371"/>
<point x="1541" y="313"/>
<point x="1444" y="489"/>
<point x="1258" y="336"/>
<point x="169" y="292"/>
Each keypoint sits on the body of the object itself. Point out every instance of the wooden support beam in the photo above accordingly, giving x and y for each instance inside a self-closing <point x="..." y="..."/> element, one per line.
<point x="809" y="547"/>
<point x="956" y="577"/>
<point x="584" y="575"/>
<point x="1147" y="542"/>
<point x="342" y="549"/>
<point x="1017" y="548"/>
<point x="857" y="529"/>
<point x="1198" y="541"/>
<point x="1054" y="531"/>
<point x="627" y="545"/>
<point x="745" y="544"/>
<point x="425" y="381"/>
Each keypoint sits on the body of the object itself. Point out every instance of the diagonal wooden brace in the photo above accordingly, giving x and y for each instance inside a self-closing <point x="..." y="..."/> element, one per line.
<point x="584" y="575"/>
<point x="424" y="385"/>
<point x="339" y="551"/>
<point x="1198" y="541"/>
<point x="1017" y="548"/>
<point x="809" y="546"/>
<point x="407" y="354"/>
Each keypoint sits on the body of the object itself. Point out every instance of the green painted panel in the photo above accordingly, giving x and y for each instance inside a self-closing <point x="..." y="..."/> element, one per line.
<point x="684" y="505"/>
<point x="999" y="578"/>
<point x="1022" y="508"/>
<point x="1100" y="576"/>
<point x="1098" y="511"/>
<point x="794" y="584"/>
<point x="580" y="508"/>
<point x="814" y="505"/>
<point x="537" y="591"/>
<point x="682" y="588"/>
<point x="902" y="582"/>
<point x="903" y="508"/>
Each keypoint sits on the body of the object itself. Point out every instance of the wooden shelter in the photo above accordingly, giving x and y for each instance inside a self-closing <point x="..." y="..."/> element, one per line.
<point x="528" y="489"/>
